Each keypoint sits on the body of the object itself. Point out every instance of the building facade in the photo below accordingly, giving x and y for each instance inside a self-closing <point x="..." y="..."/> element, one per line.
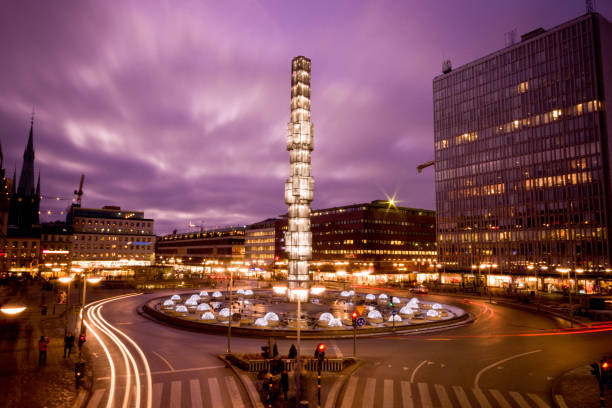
<point x="111" y="237"/>
<point x="220" y="246"/>
<point x="259" y="242"/>
<point x="522" y="154"/>
<point x="55" y="248"/>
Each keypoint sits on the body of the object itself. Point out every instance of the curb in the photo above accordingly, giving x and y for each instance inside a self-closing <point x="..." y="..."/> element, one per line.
<point x="253" y="397"/>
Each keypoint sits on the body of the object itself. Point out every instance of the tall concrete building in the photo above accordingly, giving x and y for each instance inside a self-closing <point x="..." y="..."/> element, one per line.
<point x="299" y="188"/>
<point x="522" y="154"/>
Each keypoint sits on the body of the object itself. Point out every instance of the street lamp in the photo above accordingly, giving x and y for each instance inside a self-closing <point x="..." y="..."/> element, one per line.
<point x="12" y="310"/>
<point x="568" y="270"/>
<point x="93" y="280"/>
<point x="68" y="280"/>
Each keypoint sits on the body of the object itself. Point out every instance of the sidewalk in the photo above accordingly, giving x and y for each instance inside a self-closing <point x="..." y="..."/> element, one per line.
<point x="579" y="388"/>
<point x="22" y="382"/>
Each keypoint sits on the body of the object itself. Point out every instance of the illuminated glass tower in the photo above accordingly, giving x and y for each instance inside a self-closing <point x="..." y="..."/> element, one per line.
<point x="299" y="187"/>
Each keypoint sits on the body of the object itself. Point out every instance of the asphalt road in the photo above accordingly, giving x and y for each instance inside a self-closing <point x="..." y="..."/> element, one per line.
<point x="506" y="358"/>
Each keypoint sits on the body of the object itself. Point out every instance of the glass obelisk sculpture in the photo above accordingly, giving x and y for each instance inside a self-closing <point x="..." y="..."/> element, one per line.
<point x="299" y="187"/>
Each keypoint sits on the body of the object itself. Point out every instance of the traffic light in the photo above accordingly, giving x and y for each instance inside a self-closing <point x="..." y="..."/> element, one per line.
<point x="354" y="316"/>
<point x="320" y="352"/>
<point x="605" y="369"/>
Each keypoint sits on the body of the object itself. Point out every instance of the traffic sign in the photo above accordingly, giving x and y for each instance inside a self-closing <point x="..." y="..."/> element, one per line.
<point x="360" y="322"/>
<point x="394" y="312"/>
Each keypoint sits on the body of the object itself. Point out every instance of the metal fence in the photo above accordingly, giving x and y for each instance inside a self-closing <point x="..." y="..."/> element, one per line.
<point x="329" y="364"/>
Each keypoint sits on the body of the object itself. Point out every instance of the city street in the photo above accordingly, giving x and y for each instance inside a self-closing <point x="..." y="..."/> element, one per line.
<point x="506" y="358"/>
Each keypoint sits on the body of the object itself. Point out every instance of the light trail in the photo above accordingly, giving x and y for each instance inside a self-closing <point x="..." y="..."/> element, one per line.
<point x="94" y="314"/>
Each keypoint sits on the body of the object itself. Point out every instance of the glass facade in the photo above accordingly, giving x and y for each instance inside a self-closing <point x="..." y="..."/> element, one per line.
<point x="521" y="153"/>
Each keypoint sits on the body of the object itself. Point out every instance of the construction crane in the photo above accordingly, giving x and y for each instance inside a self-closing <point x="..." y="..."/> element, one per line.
<point x="420" y="167"/>
<point x="79" y="192"/>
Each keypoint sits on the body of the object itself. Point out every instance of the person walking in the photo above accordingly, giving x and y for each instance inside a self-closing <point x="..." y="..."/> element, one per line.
<point x="68" y="344"/>
<point x="42" y="351"/>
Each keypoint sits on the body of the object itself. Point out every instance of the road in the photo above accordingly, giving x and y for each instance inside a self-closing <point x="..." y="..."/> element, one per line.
<point x="506" y="358"/>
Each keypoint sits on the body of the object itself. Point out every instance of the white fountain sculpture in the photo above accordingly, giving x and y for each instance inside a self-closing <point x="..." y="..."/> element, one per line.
<point x="344" y="293"/>
<point x="413" y="303"/>
<point x="208" y="316"/>
<point x="383" y="296"/>
<point x="176" y="298"/>
<point x="370" y="296"/>
<point x="351" y="293"/>
<point x="224" y="312"/>
<point x="203" y="307"/>
<point x="271" y="316"/>
<point x="326" y="316"/>
<point x="191" y="302"/>
<point x="436" y="306"/>
<point x="240" y="291"/>
<point x="261" y="322"/>
<point x="168" y="304"/>
<point x="180" y="309"/>
<point x="215" y="305"/>
<point x="334" y="323"/>
<point x="433" y="313"/>
<point x="248" y="292"/>
<point x="203" y="294"/>
<point x="396" y="318"/>
<point x="374" y="314"/>
<point x="396" y="300"/>
<point x="217" y="294"/>
<point x="196" y="297"/>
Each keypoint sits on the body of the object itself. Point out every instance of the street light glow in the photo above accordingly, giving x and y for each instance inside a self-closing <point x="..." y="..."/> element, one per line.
<point x="12" y="310"/>
<point x="65" y="279"/>
<point x="94" y="279"/>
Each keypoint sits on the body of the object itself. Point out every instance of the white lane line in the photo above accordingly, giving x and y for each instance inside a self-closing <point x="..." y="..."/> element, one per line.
<point x="388" y="394"/>
<point x="539" y="401"/>
<point x="336" y="349"/>
<point x="443" y="396"/>
<point x="95" y="399"/>
<point x="416" y="369"/>
<point x="560" y="401"/>
<point x="349" y="393"/>
<point x="232" y="388"/>
<point x="461" y="397"/>
<point x="215" y="393"/>
<point x="164" y="360"/>
<point x="425" y="397"/>
<point x="519" y="399"/>
<point x="482" y="399"/>
<point x="183" y="370"/>
<point x="500" y="399"/>
<point x="406" y="394"/>
<point x="196" y="393"/>
<point x="253" y="394"/>
<point x="157" y="394"/>
<point x="368" y="393"/>
<point x="175" y="394"/>
<point x="477" y="379"/>
<point x="333" y="392"/>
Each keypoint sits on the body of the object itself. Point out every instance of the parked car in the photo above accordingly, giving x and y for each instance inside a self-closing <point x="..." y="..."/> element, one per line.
<point x="419" y="289"/>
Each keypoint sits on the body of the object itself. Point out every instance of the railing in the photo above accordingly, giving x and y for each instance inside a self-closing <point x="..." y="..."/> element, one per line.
<point x="329" y="364"/>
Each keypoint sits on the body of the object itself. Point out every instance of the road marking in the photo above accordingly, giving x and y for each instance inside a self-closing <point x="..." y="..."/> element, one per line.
<point x="560" y="401"/>
<point x="443" y="396"/>
<point x="425" y="397"/>
<point x="519" y="399"/>
<point x="175" y="394"/>
<point x="232" y="388"/>
<point x="416" y="369"/>
<point x="500" y="399"/>
<point x="336" y="349"/>
<point x="463" y="400"/>
<point x="406" y="394"/>
<point x="157" y="394"/>
<point x="349" y="394"/>
<point x="333" y="392"/>
<point x="437" y="339"/>
<point x="94" y="401"/>
<point x="388" y="394"/>
<point x="482" y="399"/>
<point x="539" y="402"/>
<point x="183" y="370"/>
<point x="164" y="360"/>
<point x="477" y="379"/>
<point x="196" y="393"/>
<point x="215" y="394"/>
<point x="368" y="393"/>
<point x="253" y="395"/>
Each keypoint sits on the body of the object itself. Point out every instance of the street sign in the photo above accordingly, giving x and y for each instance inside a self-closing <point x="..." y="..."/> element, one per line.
<point x="394" y="312"/>
<point x="360" y="322"/>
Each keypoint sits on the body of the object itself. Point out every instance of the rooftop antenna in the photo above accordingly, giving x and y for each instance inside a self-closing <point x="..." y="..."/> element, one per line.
<point x="590" y="6"/>
<point x="446" y="66"/>
<point x="510" y="38"/>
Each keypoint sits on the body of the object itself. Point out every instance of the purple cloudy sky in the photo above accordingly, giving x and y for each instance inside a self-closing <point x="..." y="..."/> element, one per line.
<point x="179" y="108"/>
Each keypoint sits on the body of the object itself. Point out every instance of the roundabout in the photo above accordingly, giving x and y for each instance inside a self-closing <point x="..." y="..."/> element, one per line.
<point x="328" y="314"/>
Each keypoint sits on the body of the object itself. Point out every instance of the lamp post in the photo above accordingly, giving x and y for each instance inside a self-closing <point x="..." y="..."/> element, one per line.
<point x="93" y="280"/>
<point x="229" y="323"/>
<point x="68" y="280"/>
<point x="568" y="270"/>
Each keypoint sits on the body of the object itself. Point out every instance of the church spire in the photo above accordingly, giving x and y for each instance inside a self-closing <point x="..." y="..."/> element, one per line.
<point x="26" y="179"/>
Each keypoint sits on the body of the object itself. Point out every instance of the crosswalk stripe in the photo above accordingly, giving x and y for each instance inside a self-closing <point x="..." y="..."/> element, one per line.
<point x="196" y="393"/>
<point x="539" y="402"/>
<point x="500" y="399"/>
<point x="388" y="394"/>
<point x="157" y="394"/>
<point x="443" y="396"/>
<point x="461" y="397"/>
<point x="253" y="395"/>
<point x="175" y="394"/>
<point x="215" y="394"/>
<point x="95" y="399"/>
<point x="560" y="401"/>
<point x="519" y="399"/>
<point x="349" y="394"/>
<point x="368" y="393"/>
<point x="337" y="350"/>
<point x="333" y="392"/>
<point x="232" y="388"/>
<point x="406" y="394"/>
<point x="482" y="399"/>
<point x="425" y="397"/>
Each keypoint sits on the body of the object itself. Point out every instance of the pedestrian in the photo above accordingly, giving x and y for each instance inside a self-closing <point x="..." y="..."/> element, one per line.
<point x="284" y="380"/>
<point x="292" y="352"/>
<point x="79" y="372"/>
<point x="42" y="351"/>
<point x="68" y="344"/>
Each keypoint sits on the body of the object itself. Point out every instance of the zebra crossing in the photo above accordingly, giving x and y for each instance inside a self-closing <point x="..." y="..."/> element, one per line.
<point x="194" y="393"/>
<point x="368" y="392"/>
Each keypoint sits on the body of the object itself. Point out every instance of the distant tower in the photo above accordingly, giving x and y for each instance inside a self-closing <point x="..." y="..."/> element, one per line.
<point x="299" y="187"/>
